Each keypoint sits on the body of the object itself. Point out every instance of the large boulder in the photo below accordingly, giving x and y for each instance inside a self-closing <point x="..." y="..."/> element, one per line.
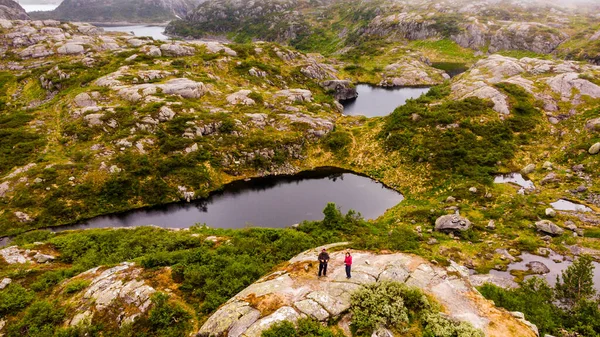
<point x="177" y="49"/>
<point x="342" y="89"/>
<point x="452" y="222"/>
<point x="295" y="291"/>
<point x="548" y="227"/>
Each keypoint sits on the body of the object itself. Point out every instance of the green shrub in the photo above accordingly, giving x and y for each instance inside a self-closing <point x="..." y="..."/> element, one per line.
<point x="305" y="328"/>
<point x="41" y="319"/>
<point x="14" y="298"/>
<point x="379" y="304"/>
<point x="168" y="319"/>
<point x="337" y="141"/>
<point x="76" y="286"/>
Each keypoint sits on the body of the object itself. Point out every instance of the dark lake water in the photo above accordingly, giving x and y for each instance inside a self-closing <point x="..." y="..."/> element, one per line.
<point x="377" y="101"/>
<point x="264" y="202"/>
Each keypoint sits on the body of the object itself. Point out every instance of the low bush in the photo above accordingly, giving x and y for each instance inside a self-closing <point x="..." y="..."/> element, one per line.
<point x="14" y="298"/>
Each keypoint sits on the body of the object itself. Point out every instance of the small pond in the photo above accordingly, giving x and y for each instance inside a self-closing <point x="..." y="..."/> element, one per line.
<point x="554" y="262"/>
<point x="378" y="101"/>
<point x="278" y="201"/>
<point x="566" y="205"/>
<point x="514" y="178"/>
<point x="155" y="32"/>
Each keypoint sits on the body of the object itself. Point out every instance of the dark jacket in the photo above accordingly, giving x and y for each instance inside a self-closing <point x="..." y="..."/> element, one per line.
<point x="324" y="257"/>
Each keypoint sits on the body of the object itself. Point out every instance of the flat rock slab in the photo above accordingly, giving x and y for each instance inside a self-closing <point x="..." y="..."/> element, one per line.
<point x="297" y="292"/>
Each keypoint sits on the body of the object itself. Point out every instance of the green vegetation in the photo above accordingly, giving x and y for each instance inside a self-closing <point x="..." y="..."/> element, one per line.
<point x="450" y="137"/>
<point x="402" y="309"/>
<point x="579" y="312"/>
<point x="304" y="328"/>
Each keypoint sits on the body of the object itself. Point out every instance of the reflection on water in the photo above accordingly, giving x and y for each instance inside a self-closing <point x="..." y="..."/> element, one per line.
<point x="566" y="205"/>
<point x="514" y="178"/>
<point x="377" y="101"/>
<point x="264" y="202"/>
<point x="554" y="262"/>
<point x="155" y="32"/>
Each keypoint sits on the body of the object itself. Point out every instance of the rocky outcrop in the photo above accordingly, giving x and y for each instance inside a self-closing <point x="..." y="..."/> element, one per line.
<point x="10" y="10"/>
<point x="342" y="89"/>
<point x="542" y="79"/>
<point x="452" y="222"/>
<point x="15" y="255"/>
<point x="411" y="72"/>
<point x="295" y="292"/>
<point x="107" y="286"/>
<point x="531" y="36"/>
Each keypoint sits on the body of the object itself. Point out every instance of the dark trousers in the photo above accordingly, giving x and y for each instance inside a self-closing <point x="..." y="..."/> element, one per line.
<point x="323" y="268"/>
<point x="348" y="271"/>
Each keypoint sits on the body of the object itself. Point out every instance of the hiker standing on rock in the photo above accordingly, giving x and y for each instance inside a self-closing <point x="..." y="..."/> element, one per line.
<point x="323" y="260"/>
<point x="348" y="263"/>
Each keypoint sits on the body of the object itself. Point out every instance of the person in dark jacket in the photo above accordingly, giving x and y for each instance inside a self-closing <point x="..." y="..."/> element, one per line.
<point x="348" y="263"/>
<point x="323" y="260"/>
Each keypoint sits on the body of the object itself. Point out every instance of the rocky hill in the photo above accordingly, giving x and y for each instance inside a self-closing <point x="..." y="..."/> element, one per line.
<point x="132" y="11"/>
<point x="10" y="10"/>
<point x="333" y="26"/>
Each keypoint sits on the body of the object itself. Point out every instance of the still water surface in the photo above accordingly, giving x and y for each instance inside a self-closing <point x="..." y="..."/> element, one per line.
<point x="264" y="202"/>
<point x="377" y="101"/>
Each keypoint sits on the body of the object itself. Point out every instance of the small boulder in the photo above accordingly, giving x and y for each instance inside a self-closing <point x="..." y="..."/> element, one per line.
<point x="548" y="227"/>
<point x="550" y="212"/>
<point x="473" y="189"/>
<point x="550" y="178"/>
<point x="491" y="225"/>
<point x="42" y="258"/>
<point x="593" y="124"/>
<point x="537" y="267"/>
<point x="342" y="89"/>
<point x="5" y="282"/>
<point x="23" y="217"/>
<point x="450" y="199"/>
<point x="578" y="168"/>
<point x="528" y="169"/>
<point x="452" y="222"/>
<point x="176" y="49"/>
<point x="594" y="149"/>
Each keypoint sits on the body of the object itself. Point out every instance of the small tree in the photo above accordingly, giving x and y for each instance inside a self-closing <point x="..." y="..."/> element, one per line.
<point x="576" y="283"/>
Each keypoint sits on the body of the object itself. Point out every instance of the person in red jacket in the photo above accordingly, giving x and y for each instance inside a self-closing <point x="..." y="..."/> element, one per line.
<point x="348" y="263"/>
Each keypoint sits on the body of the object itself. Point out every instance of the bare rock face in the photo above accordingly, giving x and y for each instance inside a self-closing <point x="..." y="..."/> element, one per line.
<point x="411" y="72"/>
<point x="10" y="10"/>
<point x="120" y="284"/>
<point x="452" y="222"/>
<point x="297" y="293"/>
<point x="531" y="36"/>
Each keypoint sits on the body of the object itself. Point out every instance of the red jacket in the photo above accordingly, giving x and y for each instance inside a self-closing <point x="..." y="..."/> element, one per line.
<point x="348" y="260"/>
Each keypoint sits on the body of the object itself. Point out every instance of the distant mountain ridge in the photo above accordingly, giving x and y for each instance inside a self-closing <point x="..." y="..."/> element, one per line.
<point x="11" y="10"/>
<point x="121" y="10"/>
